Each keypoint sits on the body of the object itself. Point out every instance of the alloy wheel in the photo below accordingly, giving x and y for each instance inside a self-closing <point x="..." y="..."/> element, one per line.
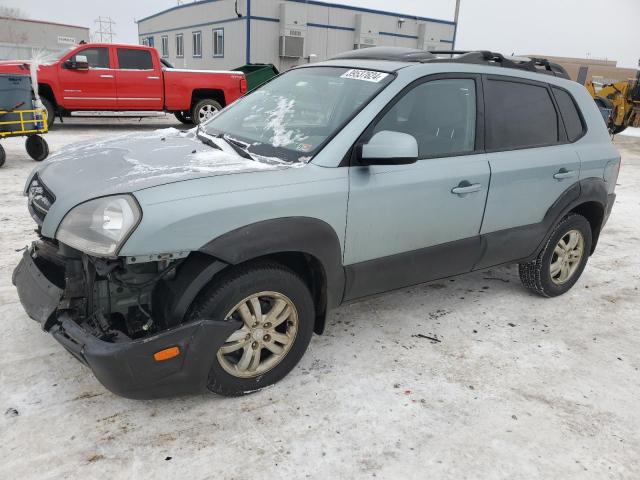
<point x="269" y="328"/>
<point x="566" y="257"/>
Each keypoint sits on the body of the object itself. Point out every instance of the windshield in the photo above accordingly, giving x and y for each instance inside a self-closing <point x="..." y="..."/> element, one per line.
<point x="292" y="116"/>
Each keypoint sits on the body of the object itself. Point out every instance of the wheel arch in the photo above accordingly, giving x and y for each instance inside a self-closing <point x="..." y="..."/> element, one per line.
<point x="308" y="246"/>
<point x="588" y="198"/>
<point x="204" y="93"/>
<point x="45" y="91"/>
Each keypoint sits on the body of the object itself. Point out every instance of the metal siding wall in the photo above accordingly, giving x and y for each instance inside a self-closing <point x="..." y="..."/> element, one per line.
<point x="324" y="42"/>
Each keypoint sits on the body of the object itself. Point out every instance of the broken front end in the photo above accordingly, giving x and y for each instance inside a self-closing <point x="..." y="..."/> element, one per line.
<point x="125" y="318"/>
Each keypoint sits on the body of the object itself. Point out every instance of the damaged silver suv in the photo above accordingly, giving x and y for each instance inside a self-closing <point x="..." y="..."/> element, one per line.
<point x="175" y="262"/>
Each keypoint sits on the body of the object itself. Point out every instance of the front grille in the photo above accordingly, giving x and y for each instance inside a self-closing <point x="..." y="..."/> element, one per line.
<point x="40" y="200"/>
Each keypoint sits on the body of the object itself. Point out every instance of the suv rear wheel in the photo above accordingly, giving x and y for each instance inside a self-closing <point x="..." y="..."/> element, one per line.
<point x="562" y="260"/>
<point x="277" y="314"/>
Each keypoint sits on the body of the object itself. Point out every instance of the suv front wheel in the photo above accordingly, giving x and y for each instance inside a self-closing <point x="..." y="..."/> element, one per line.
<point x="277" y="314"/>
<point x="562" y="260"/>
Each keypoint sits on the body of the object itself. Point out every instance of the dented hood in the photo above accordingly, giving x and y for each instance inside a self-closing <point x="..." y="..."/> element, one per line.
<point x="132" y="162"/>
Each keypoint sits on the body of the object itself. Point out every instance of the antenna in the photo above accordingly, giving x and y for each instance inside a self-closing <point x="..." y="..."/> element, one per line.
<point x="105" y="29"/>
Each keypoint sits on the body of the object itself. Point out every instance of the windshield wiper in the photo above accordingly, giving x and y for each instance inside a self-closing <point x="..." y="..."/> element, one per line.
<point x="238" y="149"/>
<point x="206" y="140"/>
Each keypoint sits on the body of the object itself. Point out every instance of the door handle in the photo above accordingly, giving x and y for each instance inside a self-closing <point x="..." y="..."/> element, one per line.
<point x="465" y="187"/>
<point x="106" y="76"/>
<point x="564" y="173"/>
<point x="153" y="78"/>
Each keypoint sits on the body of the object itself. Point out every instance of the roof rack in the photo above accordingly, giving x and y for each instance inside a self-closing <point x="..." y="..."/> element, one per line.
<point x="477" y="57"/>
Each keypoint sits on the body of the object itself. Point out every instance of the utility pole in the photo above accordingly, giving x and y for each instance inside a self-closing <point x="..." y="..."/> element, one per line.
<point x="455" y="19"/>
<point x="105" y="29"/>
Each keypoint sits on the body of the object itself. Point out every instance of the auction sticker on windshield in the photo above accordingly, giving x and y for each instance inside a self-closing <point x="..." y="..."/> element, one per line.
<point x="366" y="75"/>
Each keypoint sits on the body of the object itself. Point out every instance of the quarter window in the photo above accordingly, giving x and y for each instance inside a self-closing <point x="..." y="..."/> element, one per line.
<point x="179" y="45"/>
<point x="165" y="46"/>
<point x="218" y="42"/>
<point x="130" y="59"/>
<point x="569" y="111"/>
<point x="440" y="114"/>
<point x="196" y="38"/>
<point x="97" y="57"/>
<point x="519" y="115"/>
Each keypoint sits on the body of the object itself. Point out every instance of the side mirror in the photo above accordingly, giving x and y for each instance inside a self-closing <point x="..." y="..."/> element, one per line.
<point x="389" y="148"/>
<point x="80" y="63"/>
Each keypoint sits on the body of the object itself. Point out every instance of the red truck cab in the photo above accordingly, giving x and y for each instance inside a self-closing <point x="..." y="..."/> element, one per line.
<point x="112" y="77"/>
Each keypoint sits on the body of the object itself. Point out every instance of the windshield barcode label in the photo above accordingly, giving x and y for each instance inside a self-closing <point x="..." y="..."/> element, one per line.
<point x="366" y="75"/>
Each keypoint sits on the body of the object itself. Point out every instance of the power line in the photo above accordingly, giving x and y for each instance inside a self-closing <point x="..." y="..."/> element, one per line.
<point x="105" y="29"/>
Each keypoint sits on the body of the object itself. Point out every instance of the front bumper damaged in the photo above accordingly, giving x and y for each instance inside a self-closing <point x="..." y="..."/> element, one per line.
<point x="124" y="366"/>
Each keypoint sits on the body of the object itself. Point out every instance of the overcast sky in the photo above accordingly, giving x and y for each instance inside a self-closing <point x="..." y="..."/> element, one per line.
<point x="575" y="28"/>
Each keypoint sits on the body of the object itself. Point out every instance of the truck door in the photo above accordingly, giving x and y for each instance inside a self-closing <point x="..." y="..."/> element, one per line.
<point x="89" y="89"/>
<point x="138" y="80"/>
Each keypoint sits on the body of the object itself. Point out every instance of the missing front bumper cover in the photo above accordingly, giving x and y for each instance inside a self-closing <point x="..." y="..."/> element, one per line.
<point x="126" y="367"/>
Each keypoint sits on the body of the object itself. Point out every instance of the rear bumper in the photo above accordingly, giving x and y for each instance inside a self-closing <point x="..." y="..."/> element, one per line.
<point x="125" y="367"/>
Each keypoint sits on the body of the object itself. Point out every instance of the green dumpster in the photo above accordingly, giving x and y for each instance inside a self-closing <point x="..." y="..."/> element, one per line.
<point x="257" y="73"/>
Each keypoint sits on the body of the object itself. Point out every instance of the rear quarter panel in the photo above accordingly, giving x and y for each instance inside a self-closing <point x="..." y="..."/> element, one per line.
<point x="180" y="84"/>
<point x="599" y="158"/>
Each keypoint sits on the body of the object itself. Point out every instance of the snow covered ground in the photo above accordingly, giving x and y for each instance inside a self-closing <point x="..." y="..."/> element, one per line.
<point x="631" y="132"/>
<point x="518" y="387"/>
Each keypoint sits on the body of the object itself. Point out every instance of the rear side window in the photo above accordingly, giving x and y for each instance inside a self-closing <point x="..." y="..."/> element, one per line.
<point x="569" y="111"/>
<point x="129" y="59"/>
<point x="519" y="115"/>
<point x="440" y="114"/>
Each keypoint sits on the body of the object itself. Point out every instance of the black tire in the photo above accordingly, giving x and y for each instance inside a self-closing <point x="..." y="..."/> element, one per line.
<point x="51" y="111"/>
<point x="196" y="115"/>
<point x="3" y="156"/>
<point x="225" y="292"/>
<point x="37" y="147"/>
<point x="536" y="275"/>
<point x="618" y="129"/>
<point x="184" y="117"/>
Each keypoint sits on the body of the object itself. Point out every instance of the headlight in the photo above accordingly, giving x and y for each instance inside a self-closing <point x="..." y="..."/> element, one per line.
<point x="100" y="226"/>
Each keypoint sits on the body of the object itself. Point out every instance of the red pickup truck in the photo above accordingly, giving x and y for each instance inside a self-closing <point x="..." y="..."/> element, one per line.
<point x="111" y="77"/>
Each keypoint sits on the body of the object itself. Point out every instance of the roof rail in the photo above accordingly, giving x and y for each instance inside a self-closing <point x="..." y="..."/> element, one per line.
<point x="478" y="57"/>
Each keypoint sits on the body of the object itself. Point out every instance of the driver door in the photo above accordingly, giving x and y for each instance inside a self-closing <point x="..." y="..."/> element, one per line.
<point x="405" y="223"/>
<point x="90" y="89"/>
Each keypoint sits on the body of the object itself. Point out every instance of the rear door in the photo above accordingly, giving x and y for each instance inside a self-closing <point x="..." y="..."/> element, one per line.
<point x="532" y="165"/>
<point x="138" y="80"/>
<point x="405" y="223"/>
<point x="92" y="89"/>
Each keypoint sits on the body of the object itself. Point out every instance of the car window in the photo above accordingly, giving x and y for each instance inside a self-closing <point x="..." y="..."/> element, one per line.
<point x="569" y="111"/>
<point x="97" y="57"/>
<point x="440" y="114"/>
<point x="130" y="59"/>
<point x="519" y="115"/>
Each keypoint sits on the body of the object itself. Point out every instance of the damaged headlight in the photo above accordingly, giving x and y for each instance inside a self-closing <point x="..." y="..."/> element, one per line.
<point x="100" y="226"/>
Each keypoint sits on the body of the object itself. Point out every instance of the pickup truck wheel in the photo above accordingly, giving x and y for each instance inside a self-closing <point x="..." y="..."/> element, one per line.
<point x="561" y="262"/>
<point x="3" y="156"/>
<point x="184" y="117"/>
<point x="277" y="314"/>
<point x="51" y="111"/>
<point x="204" y="110"/>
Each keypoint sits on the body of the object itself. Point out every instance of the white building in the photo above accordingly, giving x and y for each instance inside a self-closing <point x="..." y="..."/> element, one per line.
<point x="223" y="34"/>
<point x="20" y="38"/>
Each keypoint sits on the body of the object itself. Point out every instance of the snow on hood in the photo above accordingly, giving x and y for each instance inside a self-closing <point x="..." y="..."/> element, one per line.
<point x="134" y="161"/>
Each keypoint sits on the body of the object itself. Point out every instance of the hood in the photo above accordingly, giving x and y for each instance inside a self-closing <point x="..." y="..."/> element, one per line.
<point x="132" y="162"/>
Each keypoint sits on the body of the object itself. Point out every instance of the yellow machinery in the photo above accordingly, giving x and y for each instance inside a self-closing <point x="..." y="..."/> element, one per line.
<point x="622" y="98"/>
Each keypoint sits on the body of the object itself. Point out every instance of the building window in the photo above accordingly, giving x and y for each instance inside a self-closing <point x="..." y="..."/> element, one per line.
<point x="218" y="42"/>
<point x="165" y="46"/>
<point x="148" y="41"/>
<point x="197" y="43"/>
<point x="179" y="45"/>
